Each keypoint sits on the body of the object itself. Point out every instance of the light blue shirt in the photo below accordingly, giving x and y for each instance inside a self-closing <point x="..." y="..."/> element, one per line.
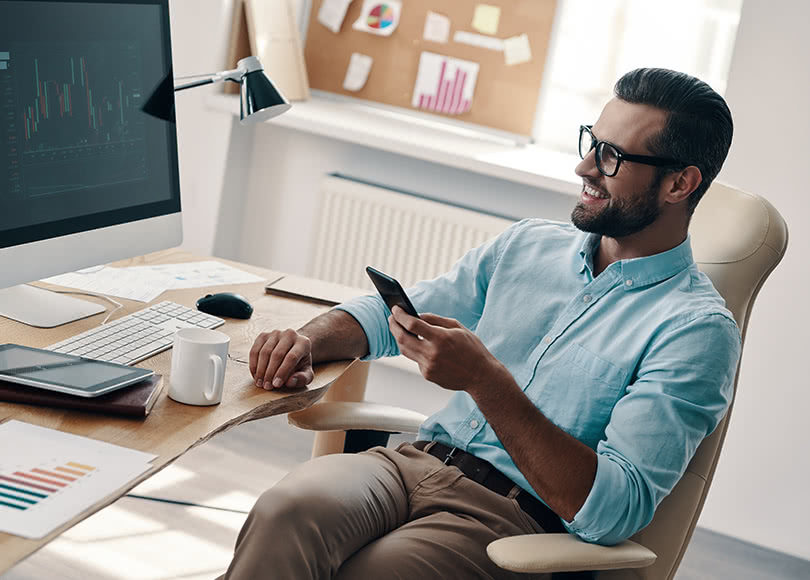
<point x="637" y="363"/>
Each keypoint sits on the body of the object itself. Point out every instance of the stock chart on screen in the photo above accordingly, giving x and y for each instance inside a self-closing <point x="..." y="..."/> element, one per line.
<point x="76" y="112"/>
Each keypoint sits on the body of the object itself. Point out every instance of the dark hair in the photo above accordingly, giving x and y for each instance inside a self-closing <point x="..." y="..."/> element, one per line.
<point x="699" y="128"/>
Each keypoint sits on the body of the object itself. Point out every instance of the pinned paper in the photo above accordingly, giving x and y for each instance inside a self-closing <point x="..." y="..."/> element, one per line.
<point x="485" y="19"/>
<point x="332" y="14"/>
<point x="379" y="17"/>
<point x="517" y="49"/>
<point x="357" y="73"/>
<point x="444" y="84"/>
<point x="478" y="40"/>
<point x="437" y="28"/>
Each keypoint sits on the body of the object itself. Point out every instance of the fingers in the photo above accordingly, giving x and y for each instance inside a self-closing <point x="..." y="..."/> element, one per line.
<point x="436" y="320"/>
<point x="412" y="324"/>
<point x="297" y="354"/>
<point x="277" y="355"/>
<point x="409" y="344"/>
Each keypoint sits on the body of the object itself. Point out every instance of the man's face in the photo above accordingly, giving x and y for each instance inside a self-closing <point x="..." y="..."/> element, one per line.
<point x="633" y="199"/>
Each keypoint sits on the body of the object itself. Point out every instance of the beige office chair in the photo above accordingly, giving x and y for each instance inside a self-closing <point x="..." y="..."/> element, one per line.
<point x="738" y="238"/>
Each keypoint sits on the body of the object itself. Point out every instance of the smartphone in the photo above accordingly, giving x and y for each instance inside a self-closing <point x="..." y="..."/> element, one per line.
<point x="391" y="291"/>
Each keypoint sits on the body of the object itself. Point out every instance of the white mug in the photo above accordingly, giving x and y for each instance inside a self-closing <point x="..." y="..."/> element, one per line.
<point x="199" y="356"/>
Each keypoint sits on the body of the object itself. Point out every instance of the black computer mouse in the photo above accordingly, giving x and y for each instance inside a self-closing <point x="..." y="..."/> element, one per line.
<point x="225" y="304"/>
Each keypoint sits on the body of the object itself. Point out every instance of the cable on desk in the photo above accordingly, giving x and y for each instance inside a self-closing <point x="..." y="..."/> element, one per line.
<point x="184" y="503"/>
<point x="118" y="305"/>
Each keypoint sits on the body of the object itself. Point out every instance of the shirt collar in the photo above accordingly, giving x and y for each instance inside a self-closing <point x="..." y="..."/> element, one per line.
<point x="644" y="271"/>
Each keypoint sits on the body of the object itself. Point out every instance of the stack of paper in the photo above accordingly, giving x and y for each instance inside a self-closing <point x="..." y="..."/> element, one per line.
<point x="145" y="283"/>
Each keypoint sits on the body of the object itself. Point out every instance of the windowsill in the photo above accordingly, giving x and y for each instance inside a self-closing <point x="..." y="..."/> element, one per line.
<point x="415" y="137"/>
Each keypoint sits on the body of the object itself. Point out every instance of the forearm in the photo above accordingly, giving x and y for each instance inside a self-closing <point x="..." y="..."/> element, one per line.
<point x="335" y="335"/>
<point x="557" y="466"/>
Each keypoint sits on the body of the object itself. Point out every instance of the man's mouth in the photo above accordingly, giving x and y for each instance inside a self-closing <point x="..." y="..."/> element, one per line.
<point x="593" y="195"/>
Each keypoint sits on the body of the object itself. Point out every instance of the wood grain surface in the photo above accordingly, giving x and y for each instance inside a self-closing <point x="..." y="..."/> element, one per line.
<point x="173" y="428"/>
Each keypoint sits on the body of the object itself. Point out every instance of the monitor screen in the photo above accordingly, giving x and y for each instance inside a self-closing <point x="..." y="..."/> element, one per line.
<point x="77" y="152"/>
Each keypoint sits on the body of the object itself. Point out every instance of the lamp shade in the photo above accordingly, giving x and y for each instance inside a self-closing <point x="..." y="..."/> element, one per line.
<point x="260" y="99"/>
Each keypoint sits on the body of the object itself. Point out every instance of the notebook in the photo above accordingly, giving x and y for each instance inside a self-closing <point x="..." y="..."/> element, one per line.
<point x="134" y="401"/>
<point x="318" y="291"/>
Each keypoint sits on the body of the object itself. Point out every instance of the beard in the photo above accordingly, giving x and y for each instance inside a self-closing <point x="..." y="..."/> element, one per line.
<point x="620" y="217"/>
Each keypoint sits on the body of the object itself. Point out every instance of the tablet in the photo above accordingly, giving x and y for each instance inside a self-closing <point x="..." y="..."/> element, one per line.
<point x="65" y="373"/>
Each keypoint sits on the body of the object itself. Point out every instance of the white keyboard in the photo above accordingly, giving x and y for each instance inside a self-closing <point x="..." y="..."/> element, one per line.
<point x="136" y="336"/>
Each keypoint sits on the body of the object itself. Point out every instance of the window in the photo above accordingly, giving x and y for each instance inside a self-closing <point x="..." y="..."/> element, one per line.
<point x="595" y="42"/>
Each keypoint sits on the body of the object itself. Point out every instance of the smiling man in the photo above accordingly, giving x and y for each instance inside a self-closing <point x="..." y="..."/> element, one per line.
<point x="589" y="360"/>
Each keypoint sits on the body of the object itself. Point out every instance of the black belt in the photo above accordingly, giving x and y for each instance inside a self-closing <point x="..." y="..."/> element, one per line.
<point x="487" y="475"/>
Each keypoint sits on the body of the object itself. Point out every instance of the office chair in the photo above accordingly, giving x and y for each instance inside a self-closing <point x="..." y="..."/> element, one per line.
<point x="738" y="239"/>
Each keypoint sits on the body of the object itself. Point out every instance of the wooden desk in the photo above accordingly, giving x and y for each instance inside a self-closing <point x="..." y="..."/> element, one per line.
<point x="172" y="428"/>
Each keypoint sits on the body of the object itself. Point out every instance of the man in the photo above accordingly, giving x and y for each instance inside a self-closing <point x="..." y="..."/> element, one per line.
<point x="589" y="362"/>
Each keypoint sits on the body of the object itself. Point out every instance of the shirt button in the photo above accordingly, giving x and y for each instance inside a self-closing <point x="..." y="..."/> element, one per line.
<point x="474" y="424"/>
<point x="629" y="282"/>
<point x="587" y="298"/>
<point x="547" y="340"/>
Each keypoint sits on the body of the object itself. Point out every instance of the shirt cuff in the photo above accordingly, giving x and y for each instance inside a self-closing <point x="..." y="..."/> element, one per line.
<point x="372" y="315"/>
<point x="594" y="522"/>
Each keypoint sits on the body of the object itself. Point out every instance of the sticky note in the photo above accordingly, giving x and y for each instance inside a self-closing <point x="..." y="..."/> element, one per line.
<point x="332" y="13"/>
<point x="437" y="28"/>
<point x="517" y="49"/>
<point x="478" y="40"/>
<point x="357" y="73"/>
<point x="485" y="19"/>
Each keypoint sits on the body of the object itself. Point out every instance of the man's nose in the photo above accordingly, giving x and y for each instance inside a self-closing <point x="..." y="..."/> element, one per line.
<point x="587" y="167"/>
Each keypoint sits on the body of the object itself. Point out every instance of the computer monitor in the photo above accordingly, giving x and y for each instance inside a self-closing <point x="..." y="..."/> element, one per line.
<point x="86" y="177"/>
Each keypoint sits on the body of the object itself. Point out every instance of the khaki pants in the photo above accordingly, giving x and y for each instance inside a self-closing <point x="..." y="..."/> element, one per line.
<point x="383" y="514"/>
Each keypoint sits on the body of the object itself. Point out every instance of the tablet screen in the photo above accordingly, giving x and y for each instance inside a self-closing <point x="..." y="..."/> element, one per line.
<point x="44" y="368"/>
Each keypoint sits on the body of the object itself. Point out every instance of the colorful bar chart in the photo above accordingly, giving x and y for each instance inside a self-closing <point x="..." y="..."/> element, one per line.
<point x="21" y="490"/>
<point x="48" y="477"/>
<point x="444" y="84"/>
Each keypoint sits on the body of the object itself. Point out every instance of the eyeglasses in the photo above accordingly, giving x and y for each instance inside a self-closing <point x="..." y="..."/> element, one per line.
<point x="609" y="157"/>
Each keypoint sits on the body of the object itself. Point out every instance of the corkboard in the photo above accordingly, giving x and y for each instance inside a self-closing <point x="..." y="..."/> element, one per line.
<point x="505" y="96"/>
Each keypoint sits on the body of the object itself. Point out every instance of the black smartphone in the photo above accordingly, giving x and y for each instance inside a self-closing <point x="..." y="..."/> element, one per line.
<point x="391" y="291"/>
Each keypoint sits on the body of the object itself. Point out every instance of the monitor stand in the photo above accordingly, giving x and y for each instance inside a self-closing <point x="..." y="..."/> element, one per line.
<point x="42" y="308"/>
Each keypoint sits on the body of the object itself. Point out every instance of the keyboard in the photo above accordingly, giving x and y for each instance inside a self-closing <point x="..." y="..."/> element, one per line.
<point x="137" y="336"/>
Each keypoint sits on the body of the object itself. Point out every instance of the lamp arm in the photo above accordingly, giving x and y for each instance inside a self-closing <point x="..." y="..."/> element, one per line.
<point x="233" y="75"/>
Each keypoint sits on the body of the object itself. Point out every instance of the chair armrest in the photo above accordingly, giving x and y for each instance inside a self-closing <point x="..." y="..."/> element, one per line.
<point x="538" y="553"/>
<point x="341" y="416"/>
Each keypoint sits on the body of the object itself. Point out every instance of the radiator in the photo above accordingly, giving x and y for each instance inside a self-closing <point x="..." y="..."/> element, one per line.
<point x="403" y="235"/>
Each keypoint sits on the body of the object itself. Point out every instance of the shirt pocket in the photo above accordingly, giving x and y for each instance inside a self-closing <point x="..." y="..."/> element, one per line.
<point x="581" y="392"/>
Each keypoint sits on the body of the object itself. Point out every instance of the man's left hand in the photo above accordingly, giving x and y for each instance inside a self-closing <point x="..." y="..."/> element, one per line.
<point x="447" y="353"/>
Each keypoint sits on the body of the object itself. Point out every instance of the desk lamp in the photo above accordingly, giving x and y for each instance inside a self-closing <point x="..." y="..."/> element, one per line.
<point x="259" y="98"/>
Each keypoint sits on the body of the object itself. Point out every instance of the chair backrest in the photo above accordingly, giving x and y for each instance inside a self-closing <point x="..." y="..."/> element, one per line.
<point x="738" y="238"/>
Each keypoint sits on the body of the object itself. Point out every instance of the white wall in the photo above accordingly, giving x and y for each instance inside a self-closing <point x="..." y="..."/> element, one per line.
<point x="759" y="493"/>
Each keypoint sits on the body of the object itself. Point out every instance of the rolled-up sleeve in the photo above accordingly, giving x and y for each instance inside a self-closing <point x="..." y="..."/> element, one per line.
<point x="459" y="294"/>
<point x="683" y="389"/>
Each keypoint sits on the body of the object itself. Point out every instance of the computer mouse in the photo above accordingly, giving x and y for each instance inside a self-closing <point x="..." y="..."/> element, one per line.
<point x="225" y="304"/>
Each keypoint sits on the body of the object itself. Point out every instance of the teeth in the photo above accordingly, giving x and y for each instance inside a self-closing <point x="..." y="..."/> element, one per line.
<point x="593" y="193"/>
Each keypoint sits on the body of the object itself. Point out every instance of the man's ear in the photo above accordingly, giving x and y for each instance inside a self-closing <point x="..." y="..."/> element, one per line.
<point x="684" y="182"/>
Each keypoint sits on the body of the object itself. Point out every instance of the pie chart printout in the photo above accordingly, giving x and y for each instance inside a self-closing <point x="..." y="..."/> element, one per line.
<point x="381" y="16"/>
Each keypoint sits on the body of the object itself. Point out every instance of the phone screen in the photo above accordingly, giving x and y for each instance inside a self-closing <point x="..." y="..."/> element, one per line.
<point x="391" y="291"/>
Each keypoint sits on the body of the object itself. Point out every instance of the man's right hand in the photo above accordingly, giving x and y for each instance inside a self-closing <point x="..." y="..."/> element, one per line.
<point x="281" y="358"/>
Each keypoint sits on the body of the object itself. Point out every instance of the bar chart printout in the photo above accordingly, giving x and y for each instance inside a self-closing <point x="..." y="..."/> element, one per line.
<point x="444" y="84"/>
<point x="48" y="477"/>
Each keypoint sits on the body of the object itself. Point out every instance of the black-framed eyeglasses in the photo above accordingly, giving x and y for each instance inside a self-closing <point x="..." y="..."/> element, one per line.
<point x="609" y="157"/>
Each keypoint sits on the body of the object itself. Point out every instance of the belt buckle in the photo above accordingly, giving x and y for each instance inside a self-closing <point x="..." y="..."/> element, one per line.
<point x="450" y="455"/>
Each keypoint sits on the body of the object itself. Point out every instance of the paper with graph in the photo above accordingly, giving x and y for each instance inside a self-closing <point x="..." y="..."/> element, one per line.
<point x="444" y="84"/>
<point x="48" y="477"/>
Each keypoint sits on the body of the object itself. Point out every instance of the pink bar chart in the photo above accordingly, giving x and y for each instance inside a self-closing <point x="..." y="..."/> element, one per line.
<point x="444" y="84"/>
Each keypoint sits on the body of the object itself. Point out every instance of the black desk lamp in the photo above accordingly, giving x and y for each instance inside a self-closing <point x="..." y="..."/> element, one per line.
<point x="259" y="98"/>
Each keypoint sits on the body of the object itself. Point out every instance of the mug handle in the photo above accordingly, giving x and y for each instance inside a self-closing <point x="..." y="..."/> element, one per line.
<point x="219" y="379"/>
